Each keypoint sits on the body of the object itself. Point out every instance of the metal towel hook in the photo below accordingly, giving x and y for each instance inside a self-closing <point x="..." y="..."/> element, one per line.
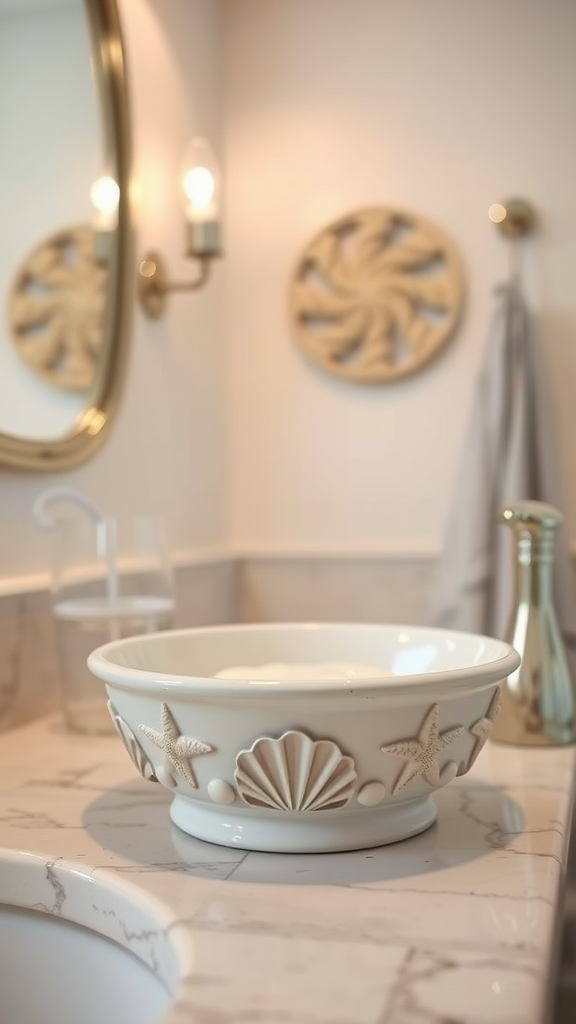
<point x="515" y="219"/>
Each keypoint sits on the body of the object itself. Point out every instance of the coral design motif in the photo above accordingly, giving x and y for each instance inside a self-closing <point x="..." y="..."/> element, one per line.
<point x="481" y="729"/>
<point x="178" y="749"/>
<point x="137" y="755"/>
<point x="295" y="773"/>
<point x="376" y="294"/>
<point x="421" y="753"/>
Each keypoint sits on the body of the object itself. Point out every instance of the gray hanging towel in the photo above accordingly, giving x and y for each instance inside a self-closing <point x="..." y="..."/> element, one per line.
<point x="509" y="455"/>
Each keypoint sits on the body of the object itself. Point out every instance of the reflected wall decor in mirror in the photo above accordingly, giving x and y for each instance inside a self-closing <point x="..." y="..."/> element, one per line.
<point x="66" y="254"/>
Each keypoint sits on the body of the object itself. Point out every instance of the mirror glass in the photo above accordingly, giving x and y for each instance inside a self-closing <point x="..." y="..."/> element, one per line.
<point x="57" y="251"/>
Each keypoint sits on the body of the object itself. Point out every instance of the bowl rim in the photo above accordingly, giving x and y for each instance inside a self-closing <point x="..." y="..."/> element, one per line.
<point x="146" y="680"/>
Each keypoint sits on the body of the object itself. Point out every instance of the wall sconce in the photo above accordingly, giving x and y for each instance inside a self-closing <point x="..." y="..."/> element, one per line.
<point x="201" y="187"/>
<point x="105" y="196"/>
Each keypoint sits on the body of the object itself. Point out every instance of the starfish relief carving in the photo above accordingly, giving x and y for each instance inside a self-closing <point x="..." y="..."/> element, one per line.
<point x="178" y="749"/>
<point x="421" y="753"/>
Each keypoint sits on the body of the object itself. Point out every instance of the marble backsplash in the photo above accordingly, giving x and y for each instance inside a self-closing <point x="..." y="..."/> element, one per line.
<point x="28" y="670"/>
<point x="264" y="589"/>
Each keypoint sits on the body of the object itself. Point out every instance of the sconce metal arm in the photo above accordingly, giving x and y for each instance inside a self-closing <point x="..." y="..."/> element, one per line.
<point x="154" y="285"/>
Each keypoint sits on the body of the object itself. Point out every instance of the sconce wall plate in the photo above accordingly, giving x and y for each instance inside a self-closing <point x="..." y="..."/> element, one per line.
<point x="151" y="285"/>
<point x="154" y="286"/>
<point x="376" y="295"/>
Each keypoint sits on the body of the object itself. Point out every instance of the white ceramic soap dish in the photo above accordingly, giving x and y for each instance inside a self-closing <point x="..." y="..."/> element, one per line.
<point x="304" y="765"/>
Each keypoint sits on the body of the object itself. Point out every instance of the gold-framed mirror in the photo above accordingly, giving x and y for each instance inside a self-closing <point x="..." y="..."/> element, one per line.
<point x="66" y="281"/>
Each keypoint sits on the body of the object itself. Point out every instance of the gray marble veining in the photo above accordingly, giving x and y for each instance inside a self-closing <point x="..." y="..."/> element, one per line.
<point x="456" y="925"/>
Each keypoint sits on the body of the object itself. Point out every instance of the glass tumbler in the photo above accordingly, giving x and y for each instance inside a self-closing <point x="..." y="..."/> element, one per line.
<point x="111" y="579"/>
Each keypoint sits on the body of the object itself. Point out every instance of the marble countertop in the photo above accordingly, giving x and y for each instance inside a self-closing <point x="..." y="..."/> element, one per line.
<point x="455" y="926"/>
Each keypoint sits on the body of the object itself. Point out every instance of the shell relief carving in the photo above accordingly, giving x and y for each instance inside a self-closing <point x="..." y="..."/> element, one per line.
<point x="480" y="730"/>
<point x="295" y="773"/>
<point x="135" y="752"/>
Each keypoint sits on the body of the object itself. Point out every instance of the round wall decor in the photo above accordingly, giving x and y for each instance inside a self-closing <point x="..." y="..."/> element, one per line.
<point x="56" y="309"/>
<point x="376" y="294"/>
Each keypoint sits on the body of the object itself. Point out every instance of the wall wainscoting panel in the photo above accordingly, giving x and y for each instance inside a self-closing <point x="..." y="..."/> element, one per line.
<point x="377" y="588"/>
<point x="255" y="588"/>
<point x="207" y="593"/>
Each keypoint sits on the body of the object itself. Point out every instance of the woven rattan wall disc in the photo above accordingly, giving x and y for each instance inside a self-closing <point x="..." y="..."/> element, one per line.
<point x="376" y="294"/>
<point x="56" y="309"/>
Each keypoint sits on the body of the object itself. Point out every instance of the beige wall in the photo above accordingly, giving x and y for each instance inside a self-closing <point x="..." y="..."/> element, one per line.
<point x="442" y="107"/>
<point x="320" y="106"/>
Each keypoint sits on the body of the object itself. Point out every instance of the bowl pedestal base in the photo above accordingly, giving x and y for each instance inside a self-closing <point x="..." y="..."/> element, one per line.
<point x="312" y="832"/>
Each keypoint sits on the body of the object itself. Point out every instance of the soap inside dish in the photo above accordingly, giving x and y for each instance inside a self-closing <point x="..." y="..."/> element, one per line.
<point x="301" y="671"/>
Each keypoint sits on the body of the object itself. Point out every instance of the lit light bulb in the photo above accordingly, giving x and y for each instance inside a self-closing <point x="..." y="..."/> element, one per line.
<point x="199" y="187"/>
<point x="200" y="180"/>
<point x="105" y="196"/>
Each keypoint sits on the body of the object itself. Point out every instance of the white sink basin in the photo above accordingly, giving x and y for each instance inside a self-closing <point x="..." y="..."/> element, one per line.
<point x="74" y="947"/>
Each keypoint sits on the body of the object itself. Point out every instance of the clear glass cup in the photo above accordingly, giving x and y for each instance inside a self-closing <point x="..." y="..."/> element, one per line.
<point x="111" y="579"/>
